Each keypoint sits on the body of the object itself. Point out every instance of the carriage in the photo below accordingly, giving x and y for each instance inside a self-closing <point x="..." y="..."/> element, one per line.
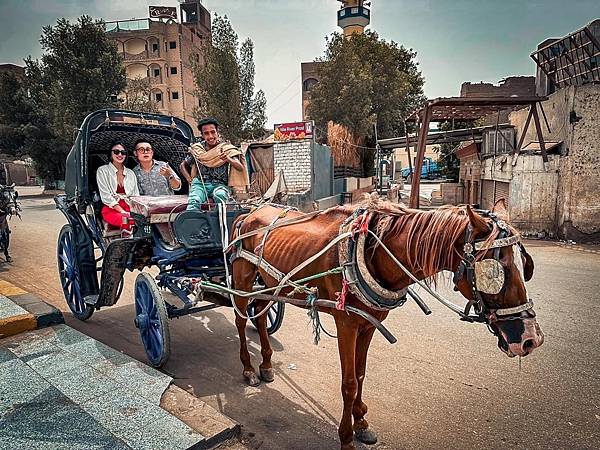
<point x="173" y="249"/>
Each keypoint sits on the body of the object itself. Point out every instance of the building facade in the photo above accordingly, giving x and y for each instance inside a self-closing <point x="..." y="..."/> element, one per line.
<point x="162" y="50"/>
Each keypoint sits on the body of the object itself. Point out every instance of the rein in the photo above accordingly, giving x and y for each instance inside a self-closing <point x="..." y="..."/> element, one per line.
<point x="356" y="277"/>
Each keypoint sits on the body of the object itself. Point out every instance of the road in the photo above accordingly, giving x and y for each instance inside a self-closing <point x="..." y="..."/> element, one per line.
<point x="443" y="385"/>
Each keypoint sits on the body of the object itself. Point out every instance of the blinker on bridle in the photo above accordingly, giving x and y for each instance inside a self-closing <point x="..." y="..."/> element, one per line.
<point x="487" y="276"/>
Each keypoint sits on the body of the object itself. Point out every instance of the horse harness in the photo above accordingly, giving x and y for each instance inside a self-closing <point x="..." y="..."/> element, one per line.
<point x="487" y="276"/>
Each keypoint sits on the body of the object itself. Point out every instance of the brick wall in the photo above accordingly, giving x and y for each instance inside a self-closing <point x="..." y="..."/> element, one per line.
<point x="294" y="158"/>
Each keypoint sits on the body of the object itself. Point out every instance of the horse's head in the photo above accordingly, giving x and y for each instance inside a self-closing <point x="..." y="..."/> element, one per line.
<point x="492" y="276"/>
<point x="8" y="200"/>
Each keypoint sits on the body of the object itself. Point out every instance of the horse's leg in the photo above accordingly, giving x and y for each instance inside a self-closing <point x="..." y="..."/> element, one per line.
<point x="359" y="409"/>
<point x="244" y="274"/>
<point x="266" y="369"/>
<point x="347" y="334"/>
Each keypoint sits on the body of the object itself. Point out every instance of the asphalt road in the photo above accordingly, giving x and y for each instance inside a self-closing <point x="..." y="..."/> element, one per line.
<point x="443" y="385"/>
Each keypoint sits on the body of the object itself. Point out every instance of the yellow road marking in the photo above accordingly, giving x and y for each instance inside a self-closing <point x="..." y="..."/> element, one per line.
<point x="7" y="289"/>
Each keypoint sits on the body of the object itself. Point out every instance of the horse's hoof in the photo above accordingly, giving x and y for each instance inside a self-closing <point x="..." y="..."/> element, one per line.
<point x="366" y="436"/>
<point x="267" y="375"/>
<point x="8" y="259"/>
<point x="251" y="379"/>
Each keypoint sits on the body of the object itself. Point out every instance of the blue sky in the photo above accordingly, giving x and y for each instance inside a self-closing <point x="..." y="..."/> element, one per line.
<point x="455" y="40"/>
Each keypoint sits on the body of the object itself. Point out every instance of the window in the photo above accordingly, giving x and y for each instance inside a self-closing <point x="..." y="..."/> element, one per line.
<point x="154" y="48"/>
<point x="172" y="44"/>
<point x="158" y="97"/>
<point x="156" y="72"/>
<point x="309" y="83"/>
<point x="175" y="95"/>
<point x="173" y="70"/>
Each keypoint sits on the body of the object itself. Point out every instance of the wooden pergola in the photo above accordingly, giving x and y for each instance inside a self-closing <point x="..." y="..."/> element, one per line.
<point x="469" y="109"/>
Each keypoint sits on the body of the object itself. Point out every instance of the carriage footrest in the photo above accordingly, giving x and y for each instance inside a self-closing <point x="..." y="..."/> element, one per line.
<point x="91" y="299"/>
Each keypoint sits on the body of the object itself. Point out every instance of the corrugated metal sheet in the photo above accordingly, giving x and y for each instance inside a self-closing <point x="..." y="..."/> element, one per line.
<point x="487" y="194"/>
<point x="502" y="191"/>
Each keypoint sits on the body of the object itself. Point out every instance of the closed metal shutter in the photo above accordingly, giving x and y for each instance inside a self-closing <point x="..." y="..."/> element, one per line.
<point x="502" y="191"/>
<point x="487" y="194"/>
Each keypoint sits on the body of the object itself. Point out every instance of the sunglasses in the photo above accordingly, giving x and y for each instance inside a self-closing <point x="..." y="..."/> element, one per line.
<point x="120" y="152"/>
<point x="143" y="149"/>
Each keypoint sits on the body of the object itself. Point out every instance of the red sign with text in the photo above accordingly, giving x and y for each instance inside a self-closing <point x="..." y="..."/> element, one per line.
<point x="293" y="131"/>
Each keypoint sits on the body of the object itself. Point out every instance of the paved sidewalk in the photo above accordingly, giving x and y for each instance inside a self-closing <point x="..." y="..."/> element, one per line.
<point x="61" y="389"/>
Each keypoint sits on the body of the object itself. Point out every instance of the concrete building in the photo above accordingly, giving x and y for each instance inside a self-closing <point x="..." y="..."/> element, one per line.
<point x="161" y="49"/>
<point x="557" y="194"/>
<point x="310" y="77"/>
<point x="18" y="71"/>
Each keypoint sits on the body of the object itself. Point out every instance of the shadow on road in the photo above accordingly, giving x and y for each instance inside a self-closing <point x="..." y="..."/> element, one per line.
<point x="204" y="361"/>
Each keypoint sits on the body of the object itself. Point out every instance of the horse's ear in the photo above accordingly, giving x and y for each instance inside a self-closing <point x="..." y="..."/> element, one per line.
<point x="501" y="209"/>
<point x="527" y="264"/>
<point x="477" y="222"/>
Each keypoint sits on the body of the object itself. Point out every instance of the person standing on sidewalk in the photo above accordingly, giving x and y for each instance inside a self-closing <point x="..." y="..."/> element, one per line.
<point x="214" y="170"/>
<point x="154" y="178"/>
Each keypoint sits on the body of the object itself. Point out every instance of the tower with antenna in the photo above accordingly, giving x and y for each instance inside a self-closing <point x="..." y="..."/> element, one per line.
<point x="353" y="16"/>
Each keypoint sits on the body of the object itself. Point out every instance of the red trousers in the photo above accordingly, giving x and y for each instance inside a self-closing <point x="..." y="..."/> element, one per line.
<point x="114" y="217"/>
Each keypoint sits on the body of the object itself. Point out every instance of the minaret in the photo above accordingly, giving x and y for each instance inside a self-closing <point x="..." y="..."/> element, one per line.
<point x="353" y="16"/>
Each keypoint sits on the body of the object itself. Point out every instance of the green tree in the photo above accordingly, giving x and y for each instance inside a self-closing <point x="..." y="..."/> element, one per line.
<point x="225" y="84"/>
<point x="79" y="72"/>
<point x="448" y="163"/>
<point x="365" y="81"/>
<point x="137" y="96"/>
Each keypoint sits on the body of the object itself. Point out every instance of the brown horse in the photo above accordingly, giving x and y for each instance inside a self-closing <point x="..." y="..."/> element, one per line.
<point x="426" y="242"/>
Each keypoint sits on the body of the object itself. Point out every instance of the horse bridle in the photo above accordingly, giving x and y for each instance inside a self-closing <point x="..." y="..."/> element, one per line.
<point x="467" y="267"/>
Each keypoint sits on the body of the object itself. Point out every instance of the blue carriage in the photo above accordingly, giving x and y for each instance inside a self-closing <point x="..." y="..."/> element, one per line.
<point x="181" y="248"/>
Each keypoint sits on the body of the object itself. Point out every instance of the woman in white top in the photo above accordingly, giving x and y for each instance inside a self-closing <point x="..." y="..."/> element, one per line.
<point x="114" y="182"/>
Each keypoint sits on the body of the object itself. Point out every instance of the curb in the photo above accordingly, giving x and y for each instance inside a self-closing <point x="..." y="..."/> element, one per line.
<point x="199" y="416"/>
<point x="23" y="311"/>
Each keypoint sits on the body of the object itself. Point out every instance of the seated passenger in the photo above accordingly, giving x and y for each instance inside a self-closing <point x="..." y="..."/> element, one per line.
<point x="115" y="182"/>
<point x="214" y="170"/>
<point x="154" y="178"/>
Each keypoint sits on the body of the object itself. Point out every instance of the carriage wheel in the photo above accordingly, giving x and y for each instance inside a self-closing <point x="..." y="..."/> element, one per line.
<point x="68" y="271"/>
<point x="151" y="319"/>
<point x="274" y="316"/>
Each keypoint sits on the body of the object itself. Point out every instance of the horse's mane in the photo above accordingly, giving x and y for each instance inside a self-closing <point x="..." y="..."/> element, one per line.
<point x="431" y="234"/>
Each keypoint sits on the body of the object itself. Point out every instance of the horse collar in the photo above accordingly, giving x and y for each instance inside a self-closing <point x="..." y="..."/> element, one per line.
<point x="357" y="277"/>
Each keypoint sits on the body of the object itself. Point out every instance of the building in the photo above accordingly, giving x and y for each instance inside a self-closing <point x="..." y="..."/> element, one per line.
<point x="310" y="77"/>
<point x="553" y="187"/>
<point x="352" y="17"/>
<point x="161" y="49"/>
<point x="18" y="71"/>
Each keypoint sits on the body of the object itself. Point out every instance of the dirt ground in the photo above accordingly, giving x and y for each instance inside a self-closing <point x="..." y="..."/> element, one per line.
<point x="443" y="385"/>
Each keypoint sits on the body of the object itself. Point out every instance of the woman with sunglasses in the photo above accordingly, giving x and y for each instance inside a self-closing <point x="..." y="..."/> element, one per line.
<point x="115" y="181"/>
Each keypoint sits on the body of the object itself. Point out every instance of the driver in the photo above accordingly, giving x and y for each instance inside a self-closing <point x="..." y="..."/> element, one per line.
<point x="214" y="170"/>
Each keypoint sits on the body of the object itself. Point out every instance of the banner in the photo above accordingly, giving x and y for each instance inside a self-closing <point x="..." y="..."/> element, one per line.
<point x="293" y="131"/>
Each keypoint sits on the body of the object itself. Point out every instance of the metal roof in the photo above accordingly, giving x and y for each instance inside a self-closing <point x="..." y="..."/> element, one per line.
<point x="470" y="108"/>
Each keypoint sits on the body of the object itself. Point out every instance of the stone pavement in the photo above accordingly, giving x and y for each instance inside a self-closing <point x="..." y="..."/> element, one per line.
<point x="62" y="389"/>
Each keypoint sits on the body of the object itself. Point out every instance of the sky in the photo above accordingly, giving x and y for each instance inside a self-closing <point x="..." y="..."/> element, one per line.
<point x="455" y="40"/>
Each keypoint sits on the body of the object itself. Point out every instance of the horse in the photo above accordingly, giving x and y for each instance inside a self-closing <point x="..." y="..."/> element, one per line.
<point x="8" y="208"/>
<point x="451" y="238"/>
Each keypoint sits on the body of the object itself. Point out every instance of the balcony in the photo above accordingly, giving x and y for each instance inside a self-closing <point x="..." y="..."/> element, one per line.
<point x="137" y="57"/>
<point x="354" y="15"/>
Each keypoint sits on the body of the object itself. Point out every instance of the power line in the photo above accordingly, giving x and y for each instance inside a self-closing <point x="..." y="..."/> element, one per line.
<point x="285" y="89"/>
<point x="287" y="101"/>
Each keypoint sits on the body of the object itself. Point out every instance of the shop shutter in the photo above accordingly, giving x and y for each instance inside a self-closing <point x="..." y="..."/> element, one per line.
<point x="502" y="191"/>
<point x="487" y="194"/>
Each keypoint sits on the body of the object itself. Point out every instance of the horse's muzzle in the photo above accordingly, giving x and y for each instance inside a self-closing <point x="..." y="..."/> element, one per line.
<point x="518" y="337"/>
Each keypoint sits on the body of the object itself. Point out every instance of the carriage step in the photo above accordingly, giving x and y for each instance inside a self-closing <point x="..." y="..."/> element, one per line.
<point x="91" y="299"/>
